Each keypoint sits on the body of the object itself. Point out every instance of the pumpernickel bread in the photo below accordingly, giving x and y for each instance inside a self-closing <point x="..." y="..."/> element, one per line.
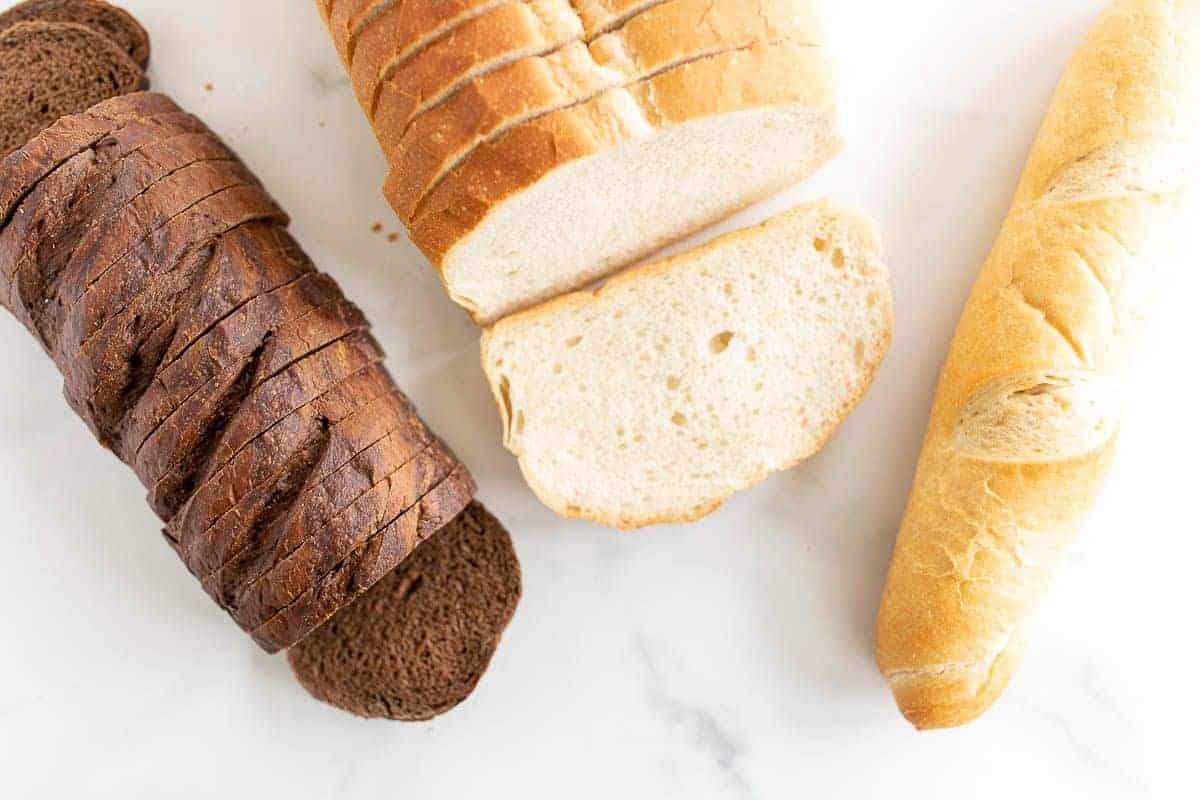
<point x="166" y="292"/>
<point x="417" y="643"/>
<point x="52" y="69"/>
<point x="115" y="23"/>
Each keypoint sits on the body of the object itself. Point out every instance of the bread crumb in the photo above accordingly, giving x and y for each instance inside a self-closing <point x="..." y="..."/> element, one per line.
<point x="377" y="227"/>
<point x="393" y="237"/>
<point x="208" y="87"/>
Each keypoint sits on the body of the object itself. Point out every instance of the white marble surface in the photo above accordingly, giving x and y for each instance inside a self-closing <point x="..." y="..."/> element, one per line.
<point x="728" y="659"/>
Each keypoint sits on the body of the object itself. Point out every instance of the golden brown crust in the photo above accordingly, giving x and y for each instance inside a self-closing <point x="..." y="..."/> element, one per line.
<point x="1009" y="469"/>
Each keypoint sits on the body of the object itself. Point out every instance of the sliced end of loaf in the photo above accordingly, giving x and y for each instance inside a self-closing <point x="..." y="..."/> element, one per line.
<point x="115" y="23"/>
<point x="416" y="644"/>
<point x="732" y="361"/>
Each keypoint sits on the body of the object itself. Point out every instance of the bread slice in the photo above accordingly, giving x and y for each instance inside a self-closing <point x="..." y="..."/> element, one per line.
<point x="409" y="87"/>
<point x="416" y="645"/>
<point x="53" y="69"/>
<point x="656" y="40"/>
<point x="681" y="382"/>
<point x="565" y="199"/>
<point x="115" y="23"/>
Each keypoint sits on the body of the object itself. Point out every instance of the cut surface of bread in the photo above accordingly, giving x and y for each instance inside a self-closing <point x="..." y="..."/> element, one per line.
<point x="115" y="23"/>
<point x="53" y="69"/>
<point x="562" y="200"/>
<point x="658" y="39"/>
<point x="416" y="644"/>
<point x="508" y="32"/>
<point x="732" y="361"/>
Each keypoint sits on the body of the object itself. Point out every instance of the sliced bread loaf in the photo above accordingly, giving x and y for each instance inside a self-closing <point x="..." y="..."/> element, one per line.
<point x="52" y="69"/>
<point x="732" y="361"/>
<point x="569" y="197"/>
<point x="661" y="38"/>
<point x="115" y="23"/>
<point x="409" y="86"/>
<point x="417" y="643"/>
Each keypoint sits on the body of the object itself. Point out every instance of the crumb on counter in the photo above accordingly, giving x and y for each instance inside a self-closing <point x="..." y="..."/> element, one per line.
<point x="393" y="237"/>
<point x="208" y="86"/>
<point x="377" y="227"/>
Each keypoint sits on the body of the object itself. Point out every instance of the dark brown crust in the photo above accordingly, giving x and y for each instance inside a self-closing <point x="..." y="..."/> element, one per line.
<point x="200" y="343"/>
<point x="53" y="69"/>
<point x="370" y="562"/>
<point x="416" y="644"/>
<point x="115" y="23"/>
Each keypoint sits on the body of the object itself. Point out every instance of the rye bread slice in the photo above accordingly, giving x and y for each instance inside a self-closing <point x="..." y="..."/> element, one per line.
<point x="374" y="510"/>
<point x="363" y="568"/>
<point x="115" y="23"/>
<point x="53" y="69"/>
<point x="163" y="251"/>
<point x="257" y="549"/>
<point x="416" y="644"/>
<point x="210" y="531"/>
<point x="70" y="205"/>
<point x="262" y="459"/>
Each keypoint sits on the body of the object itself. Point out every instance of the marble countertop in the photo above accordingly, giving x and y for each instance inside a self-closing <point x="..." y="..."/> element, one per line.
<point x="726" y="659"/>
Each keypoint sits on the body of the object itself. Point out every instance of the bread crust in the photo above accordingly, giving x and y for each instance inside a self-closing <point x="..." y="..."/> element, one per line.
<point x="763" y="74"/>
<point x="658" y="39"/>
<point x="1011" y="465"/>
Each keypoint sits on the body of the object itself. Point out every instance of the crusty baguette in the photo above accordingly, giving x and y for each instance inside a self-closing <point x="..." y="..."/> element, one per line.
<point x="681" y="382"/>
<point x="656" y="40"/>
<point x="626" y="173"/>
<point x="1025" y="421"/>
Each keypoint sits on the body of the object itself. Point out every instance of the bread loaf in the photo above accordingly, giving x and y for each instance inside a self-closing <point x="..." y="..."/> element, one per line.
<point x="201" y="345"/>
<point x="679" y="383"/>
<point x="1025" y="421"/>
<point x="659" y="39"/>
<point x="56" y="68"/>
<point x="115" y="23"/>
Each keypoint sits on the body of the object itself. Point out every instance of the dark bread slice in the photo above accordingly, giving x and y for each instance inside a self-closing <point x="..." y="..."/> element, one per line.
<point x="363" y="568"/>
<point x="212" y="526"/>
<point x="245" y="412"/>
<point x="224" y="286"/>
<point x="263" y="458"/>
<point x="22" y="170"/>
<point x="378" y="507"/>
<point x="53" y="69"/>
<point x="416" y="644"/>
<point x="255" y="550"/>
<point x="69" y="205"/>
<point x="115" y="23"/>
<point x="165" y="260"/>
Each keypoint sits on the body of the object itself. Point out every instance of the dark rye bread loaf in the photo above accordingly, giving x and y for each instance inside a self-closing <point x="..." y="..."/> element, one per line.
<point x="202" y="346"/>
<point x="52" y="69"/>
<point x="115" y="23"/>
<point x="417" y="643"/>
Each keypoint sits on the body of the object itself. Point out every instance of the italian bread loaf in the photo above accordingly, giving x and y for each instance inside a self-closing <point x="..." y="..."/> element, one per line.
<point x="203" y="348"/>
<point x="681" y="382"/>
<point x="654" y="41"/>
<point x="626" y="173"/>
<point x="1025" y="421"/>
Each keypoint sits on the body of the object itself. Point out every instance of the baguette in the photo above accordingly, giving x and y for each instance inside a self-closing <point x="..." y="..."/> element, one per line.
<point x="731" y="362"/>
<point x="626" y="173"/>
<point x="654" y="41"/>
<point x="1024" y="425"/>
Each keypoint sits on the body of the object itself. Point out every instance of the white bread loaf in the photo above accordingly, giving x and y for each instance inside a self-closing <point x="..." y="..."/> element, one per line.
<point x="658" y="39"/>
<point x="681" y="382"/>
<point x="1025" y="421"/>
<point x="569" y="197"/>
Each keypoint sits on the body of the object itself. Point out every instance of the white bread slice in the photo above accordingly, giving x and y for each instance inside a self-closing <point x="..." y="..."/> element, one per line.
<point x="663" y="37"/>
<point x="567" y="198"/>
<point x="408" y="87"/>
<point x="656" y="397"/>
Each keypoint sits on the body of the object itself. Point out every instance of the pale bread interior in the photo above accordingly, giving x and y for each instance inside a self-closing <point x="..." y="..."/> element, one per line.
<point x="658" y="396"/>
